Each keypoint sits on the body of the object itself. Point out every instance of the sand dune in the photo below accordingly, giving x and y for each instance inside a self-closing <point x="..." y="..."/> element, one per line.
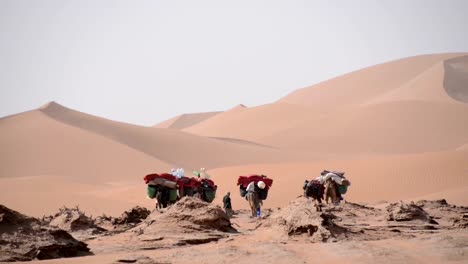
<point x="34" y="144"/>
<point x="455" y="196"/>
<point x="393" y="127"/>
<point x="400" y="126"/>
<point x="185" y="120"/>
<point x="171" y="146"/>
<point x="426" y="86"/>
<point x="463" y="148"/>
<point x="364" y="85"/>
<point x="456" y="78"/>
<point x="402" y="106"/>
<point x="255" y="122"/>
<point x="44" y="194"/>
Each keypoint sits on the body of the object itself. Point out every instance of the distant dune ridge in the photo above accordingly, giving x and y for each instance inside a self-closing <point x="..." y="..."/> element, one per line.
<point x="404" y="121"/>
<point x="185" y="120"/>
<point x="456" y="78"/>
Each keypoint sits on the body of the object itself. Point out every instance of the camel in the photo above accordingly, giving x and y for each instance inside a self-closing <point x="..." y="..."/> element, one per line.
<point x="314" y="190"/>
<point x="330" y="191"/>
<point x="253" y="202"/>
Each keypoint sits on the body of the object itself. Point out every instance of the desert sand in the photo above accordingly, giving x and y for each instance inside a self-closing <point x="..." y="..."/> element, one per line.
<point x="185" y="120"/>
<point x="398" y="129"/>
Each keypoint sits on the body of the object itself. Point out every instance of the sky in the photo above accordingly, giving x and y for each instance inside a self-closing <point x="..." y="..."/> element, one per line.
<point x="143" y="62"/>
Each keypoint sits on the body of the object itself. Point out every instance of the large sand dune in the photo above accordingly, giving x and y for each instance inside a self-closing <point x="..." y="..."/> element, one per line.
<point x="404" y="106"/>
<point x="172" y="146"/>
<point x="361" y="86"/>
<point x="255" y="122"/>
<point x="34" y="144"/>
<point x="386" y="128"/>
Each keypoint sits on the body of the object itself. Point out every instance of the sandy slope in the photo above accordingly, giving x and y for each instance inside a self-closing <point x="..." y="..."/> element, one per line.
<point x="255" y="122"/>
<point x="44" y="194"/>
<point x="364" y="85"/>
<point x="463" y="147"/>
<point x="392" y="127"/>
<point x="185" y="120"/>
<point x="47" y="164"/>
<point x="400" y="126"/>
<point x="34" y="144"/>
<point x="171" y="146"/>
<point x="404" y="106"/>
<point x="457" y="195"/>
<point x="426" y="86"/>
<point x="456" y="78"/>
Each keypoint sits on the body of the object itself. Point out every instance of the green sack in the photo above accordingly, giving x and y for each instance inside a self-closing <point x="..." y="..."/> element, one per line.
<point x="172" y="195"/>
<point x="342" y="188"/>
<point x="210" y="195"/>
<point x="151" y="192"/>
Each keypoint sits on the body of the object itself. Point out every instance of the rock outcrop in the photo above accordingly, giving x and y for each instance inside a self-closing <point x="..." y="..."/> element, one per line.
<point x="24" y="238"/>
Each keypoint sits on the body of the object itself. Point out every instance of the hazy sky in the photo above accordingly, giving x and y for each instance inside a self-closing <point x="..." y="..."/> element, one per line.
<point x="145" y="61"/>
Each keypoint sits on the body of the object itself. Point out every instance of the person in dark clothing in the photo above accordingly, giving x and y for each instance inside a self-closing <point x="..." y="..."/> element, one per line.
<point x="227" y="204"/>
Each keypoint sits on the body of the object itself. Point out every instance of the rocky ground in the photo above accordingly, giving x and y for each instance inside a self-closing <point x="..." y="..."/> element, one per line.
<point x="25" y="238"/>
<point x="192" y="231"/>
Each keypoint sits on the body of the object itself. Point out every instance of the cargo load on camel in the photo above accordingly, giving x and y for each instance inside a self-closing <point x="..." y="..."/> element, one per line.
<point x="168" y="188"/>
<point x="338" y="177"/>
<point x="207" y="190"/>
<point x="339" y="184"/>
<point x="163" y="187"/>
<point x="187" y="186"/>
<point x="244" y="181"/>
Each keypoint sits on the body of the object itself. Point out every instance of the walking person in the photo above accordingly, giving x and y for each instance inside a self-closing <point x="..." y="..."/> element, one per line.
<point x="227" y="204"/>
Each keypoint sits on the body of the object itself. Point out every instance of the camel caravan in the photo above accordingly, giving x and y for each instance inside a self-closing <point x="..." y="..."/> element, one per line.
<point x="167" y="188"/>
<point x="331" y="184"/>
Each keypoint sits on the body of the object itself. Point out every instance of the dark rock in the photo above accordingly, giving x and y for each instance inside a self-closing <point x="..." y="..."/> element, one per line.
<point x="135" y="216"/>
<point x="25" y="238"/>
<point x="140" y="259"/>
<point x="434" y="203"/>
